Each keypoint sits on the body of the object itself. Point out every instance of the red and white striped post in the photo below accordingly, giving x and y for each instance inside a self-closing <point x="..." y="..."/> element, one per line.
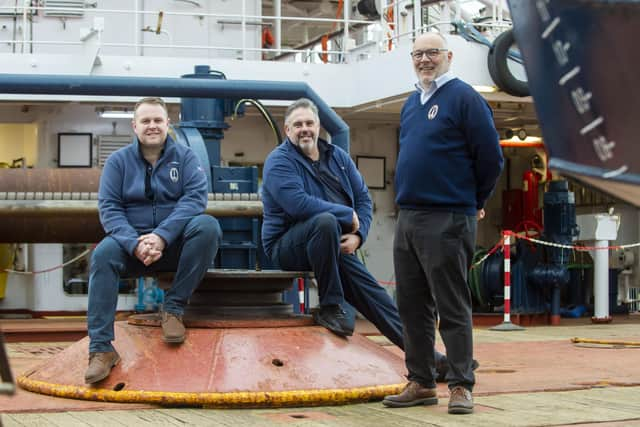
<point x="301" y="294"/>
<point x="507" y="275"/>
<point x="506" y="324"/>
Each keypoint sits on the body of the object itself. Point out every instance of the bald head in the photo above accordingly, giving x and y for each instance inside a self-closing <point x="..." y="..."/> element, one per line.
<point x="431" y="36"/>
<point x="431" y="57"/>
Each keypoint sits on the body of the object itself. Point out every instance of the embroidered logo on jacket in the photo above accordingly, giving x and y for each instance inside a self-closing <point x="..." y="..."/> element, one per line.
<point x="173" y="174"/>
<point x="433" y="112"/>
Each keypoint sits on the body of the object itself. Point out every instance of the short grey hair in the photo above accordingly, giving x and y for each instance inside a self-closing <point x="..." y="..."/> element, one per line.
<point x="301" y="103"/>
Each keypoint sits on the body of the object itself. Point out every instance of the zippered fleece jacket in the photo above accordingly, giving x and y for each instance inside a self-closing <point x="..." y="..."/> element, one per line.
<point x="450" y="156"/>
<point x="128" y="208"/>
<point x="292" y="193"/>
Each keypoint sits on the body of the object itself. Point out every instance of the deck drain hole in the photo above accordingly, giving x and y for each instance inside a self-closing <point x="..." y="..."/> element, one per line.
<point x="277" y="362"/>
<point x="118" y="387"/>
<point x="298" y="416"/>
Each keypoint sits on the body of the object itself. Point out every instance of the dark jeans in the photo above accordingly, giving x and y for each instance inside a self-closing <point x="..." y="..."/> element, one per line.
<point x="432" y="253"/>
<point x="314" y="245"/>
<point x="189" y="257"/>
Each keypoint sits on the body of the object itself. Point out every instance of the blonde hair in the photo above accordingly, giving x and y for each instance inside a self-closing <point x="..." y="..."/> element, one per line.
<point x="153" y="100"/>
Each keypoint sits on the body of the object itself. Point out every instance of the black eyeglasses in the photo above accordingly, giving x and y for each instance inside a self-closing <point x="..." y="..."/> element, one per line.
<point x="431" y="53"/>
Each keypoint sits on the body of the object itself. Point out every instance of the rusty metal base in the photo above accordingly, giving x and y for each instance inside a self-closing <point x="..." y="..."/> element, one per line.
<point x="252" y="366"/>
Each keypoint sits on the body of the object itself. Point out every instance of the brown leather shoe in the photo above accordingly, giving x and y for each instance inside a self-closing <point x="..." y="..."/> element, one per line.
<point x="461" y="401"/>
<point x="412" y="395"/>
<point x="172" y="328"/>
<point x="100" y="364"/>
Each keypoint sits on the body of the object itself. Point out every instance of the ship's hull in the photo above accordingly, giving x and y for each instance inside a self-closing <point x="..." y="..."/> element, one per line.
<point x="582" y="63"/>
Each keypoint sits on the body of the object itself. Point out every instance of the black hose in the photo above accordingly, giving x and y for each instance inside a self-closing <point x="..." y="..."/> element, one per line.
<point x="265" y="113"/>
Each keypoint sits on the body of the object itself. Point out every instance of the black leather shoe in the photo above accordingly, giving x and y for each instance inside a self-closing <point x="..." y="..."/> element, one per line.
<point x="443" y="368"/>
<point x="334" y="318"/>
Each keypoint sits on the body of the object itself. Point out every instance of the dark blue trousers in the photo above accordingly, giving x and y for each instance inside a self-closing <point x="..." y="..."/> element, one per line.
<point x="189" y="257"/>
<point x="314" y="245"/>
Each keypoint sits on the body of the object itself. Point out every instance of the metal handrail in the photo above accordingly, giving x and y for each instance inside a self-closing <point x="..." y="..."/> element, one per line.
<point x="170" y="46"/>
<point x="207" y="15"/>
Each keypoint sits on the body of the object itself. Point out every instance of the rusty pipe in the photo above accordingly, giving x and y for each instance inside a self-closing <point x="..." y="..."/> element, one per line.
<point x="19" y="224"/>
<point x="12" y="209"/>
<point x="70" y="220"/>
<point x="77" y="221"/>
<point x="50" y="180"/>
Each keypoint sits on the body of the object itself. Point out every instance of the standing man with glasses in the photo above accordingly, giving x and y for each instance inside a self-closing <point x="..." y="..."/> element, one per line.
<point x="448" y="165"/>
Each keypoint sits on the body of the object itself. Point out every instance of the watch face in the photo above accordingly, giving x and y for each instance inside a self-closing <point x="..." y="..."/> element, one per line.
<point x="583" y="81"/>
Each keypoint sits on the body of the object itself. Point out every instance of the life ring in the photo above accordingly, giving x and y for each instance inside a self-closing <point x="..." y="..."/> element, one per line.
<point x="499" y="70"/>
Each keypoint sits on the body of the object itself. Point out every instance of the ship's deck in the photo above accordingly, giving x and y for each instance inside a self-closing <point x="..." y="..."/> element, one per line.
<point x="533" y="377"/>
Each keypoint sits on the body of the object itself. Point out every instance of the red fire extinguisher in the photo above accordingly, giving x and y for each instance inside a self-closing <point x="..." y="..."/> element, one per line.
<point x="530" y="198"/>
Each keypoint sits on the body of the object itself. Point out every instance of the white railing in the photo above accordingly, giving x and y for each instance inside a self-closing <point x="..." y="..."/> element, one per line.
<point x="352" y="39"/>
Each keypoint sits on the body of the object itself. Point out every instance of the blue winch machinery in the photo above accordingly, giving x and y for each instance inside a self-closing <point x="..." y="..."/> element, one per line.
<point x="202" y="128"/>
<point x="539" y="273"/>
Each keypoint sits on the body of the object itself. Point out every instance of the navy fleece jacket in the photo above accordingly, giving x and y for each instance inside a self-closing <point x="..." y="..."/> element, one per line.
<point x="291" y="192"/>
<point x="178" y="193"/>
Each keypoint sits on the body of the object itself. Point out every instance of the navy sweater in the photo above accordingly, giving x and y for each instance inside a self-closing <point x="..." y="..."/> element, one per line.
<point x="450" y="157"/>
